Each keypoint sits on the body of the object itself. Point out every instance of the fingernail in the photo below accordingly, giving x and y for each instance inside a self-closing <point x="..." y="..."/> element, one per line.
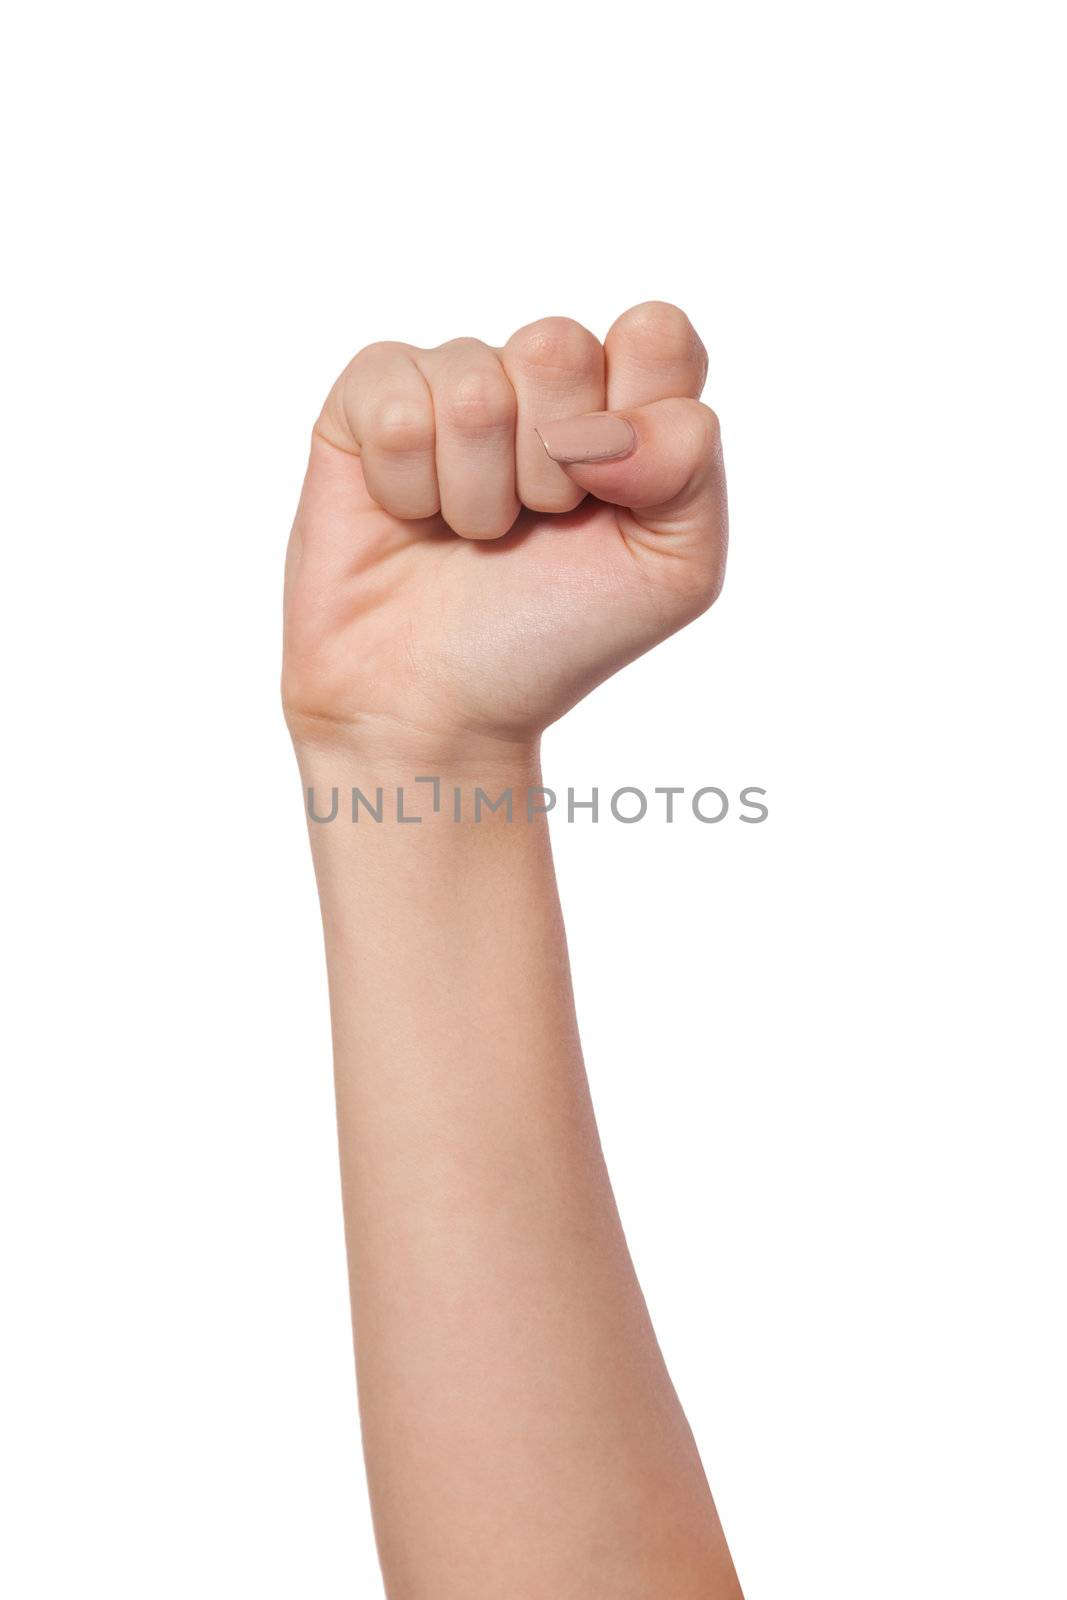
<point x="596" y="437"/>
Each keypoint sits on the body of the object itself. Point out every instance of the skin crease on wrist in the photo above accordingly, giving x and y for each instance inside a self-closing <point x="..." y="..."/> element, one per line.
<point x="483" y="536"/>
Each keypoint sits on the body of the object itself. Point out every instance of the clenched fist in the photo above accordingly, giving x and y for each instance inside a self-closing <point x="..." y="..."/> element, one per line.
<point x="484" y="535"/>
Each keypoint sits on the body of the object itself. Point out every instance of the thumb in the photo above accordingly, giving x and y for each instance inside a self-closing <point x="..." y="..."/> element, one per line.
<point x="661" y="463"/>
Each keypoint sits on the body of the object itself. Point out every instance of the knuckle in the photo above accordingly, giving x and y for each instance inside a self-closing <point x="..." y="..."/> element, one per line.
<point x="708" y="421"/>
<point x="380" y="347"/>
<point x="401" y="426"/>
<point x="480" y="401"/>
<point x="663" y="330"/>
<point x="696" y="427"/>
<point x="556" y="347"/>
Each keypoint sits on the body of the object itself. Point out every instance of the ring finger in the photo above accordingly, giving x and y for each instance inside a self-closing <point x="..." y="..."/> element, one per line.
<point x="474" y="412"/>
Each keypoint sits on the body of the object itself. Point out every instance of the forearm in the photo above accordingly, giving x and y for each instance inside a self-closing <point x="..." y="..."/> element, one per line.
<point x="521" y="1434"/>
<point x="483" y="536"/>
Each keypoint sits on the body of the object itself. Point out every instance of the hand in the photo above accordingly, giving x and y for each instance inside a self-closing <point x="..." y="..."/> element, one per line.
<point x="484" y="535"/>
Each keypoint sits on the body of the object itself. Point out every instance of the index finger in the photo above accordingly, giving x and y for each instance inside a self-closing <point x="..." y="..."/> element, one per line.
<point x="653" y="353"/>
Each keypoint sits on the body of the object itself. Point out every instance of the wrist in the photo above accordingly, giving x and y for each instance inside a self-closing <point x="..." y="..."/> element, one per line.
<point x="380" y="743"/>
<point x="383" y="774"/>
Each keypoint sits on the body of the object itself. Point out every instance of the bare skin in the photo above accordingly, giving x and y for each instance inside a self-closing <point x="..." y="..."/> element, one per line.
<point x="451" y="590"/>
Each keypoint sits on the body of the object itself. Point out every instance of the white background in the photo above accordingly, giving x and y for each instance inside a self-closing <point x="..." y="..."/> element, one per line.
<point x="824" y="1050"/>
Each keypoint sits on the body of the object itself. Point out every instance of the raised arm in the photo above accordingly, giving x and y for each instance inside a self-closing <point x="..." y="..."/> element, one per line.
<point x="450" y="591"/>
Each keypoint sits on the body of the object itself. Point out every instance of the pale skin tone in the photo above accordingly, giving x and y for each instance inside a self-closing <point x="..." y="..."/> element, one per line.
<point x="451" y="589"/>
